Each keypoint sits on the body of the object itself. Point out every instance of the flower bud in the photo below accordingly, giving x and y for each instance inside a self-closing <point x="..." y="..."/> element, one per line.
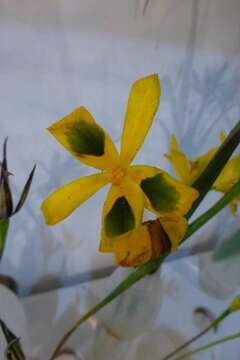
<point x="235" y="305"/>
<point x="6" y="203"/>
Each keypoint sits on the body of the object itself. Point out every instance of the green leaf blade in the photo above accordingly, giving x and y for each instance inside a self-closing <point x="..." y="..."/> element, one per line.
<point x="25" y="191"/>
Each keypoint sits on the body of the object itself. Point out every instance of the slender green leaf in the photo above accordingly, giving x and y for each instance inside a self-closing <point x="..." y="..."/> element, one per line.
<point x="25" y="191"/>
<point x="214" y="210"/>
<point x="14" y="350"/>
<point x="4" y="224"/>
<point x="206" y="180"/>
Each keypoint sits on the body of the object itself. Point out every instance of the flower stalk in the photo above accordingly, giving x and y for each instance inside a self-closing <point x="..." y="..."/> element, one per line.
<point x="233" y="307"/>
<point x="214" y="210"/>
<point x="212" y="326"/>
<point x="209" y="345"/>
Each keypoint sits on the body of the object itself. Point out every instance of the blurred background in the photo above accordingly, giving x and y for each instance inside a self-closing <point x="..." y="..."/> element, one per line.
<point x="56" y="55"/>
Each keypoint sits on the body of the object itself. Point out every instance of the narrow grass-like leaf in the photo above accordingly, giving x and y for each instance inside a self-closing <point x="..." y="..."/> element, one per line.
<point x="13" y="350"/>
<point x="25" y="191"/>
<point x="214" y="210"/>
<point x="206" y="180"/>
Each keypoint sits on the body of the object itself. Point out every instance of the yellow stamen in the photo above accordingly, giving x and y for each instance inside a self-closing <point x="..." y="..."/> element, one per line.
<point x="118" y="175"/>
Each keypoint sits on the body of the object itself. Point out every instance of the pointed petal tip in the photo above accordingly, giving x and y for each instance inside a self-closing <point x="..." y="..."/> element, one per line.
<point x="152" y="78"/>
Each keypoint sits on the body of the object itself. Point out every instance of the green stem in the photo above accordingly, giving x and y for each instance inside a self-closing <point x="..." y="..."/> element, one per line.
<point x="213" y="325"/>
<point x="206" y="180"/>
<point x="209" y="345"/>
<point x="150" y="267"/>
<point x="4" y="225"/>
<point x="216" y="208"/>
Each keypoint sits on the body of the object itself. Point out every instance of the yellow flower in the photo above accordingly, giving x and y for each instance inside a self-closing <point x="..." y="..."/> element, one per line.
<point x="189" y="170"/>
<point x="132" y="187"/>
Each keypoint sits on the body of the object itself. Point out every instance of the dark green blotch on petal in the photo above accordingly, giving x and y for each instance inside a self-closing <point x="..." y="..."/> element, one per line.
<point x="162" y="196"/>
<point x="120" y="218"/>
<point x="86" y="138"/>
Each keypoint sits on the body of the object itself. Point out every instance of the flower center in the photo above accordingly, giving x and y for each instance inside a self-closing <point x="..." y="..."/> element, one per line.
<point x="118" y="175"/>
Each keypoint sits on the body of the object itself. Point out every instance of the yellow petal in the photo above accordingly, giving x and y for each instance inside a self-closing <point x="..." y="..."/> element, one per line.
<point x="199" y="164"/>
<point x="134" y="248"/>
<point x="163" y="194"/>
<point x="179" y="161"/>
<point x="137" y="173"/>
<point x="122" y="212"/>
<point x="175" y="227"/>
<point x="229" y="175"/>
<point x="62" y="202"/>
<point x="142" y="105"/>
<point x="86" y="140"/>
<point x="187" y="170"/>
